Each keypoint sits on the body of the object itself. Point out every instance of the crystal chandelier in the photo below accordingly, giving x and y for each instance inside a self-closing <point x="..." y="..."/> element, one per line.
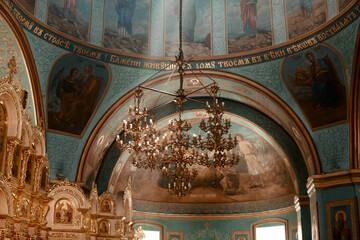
<point x="175" y="152"/>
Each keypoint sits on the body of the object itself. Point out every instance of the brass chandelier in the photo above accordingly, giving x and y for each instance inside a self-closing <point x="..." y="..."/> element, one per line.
<point x="175" y="152"/>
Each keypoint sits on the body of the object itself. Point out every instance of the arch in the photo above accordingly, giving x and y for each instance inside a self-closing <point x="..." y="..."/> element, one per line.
<point x="236" y="90"/>
<point x="6" y="198"/>
<point x="11" y="101"/>
<point x="25" y="49"/>
<point x="270" y="221"/>
<point x="355" y="108"/>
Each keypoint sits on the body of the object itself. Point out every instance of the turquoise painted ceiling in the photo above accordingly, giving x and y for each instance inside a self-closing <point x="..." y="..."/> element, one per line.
<point x="263" y="72"/>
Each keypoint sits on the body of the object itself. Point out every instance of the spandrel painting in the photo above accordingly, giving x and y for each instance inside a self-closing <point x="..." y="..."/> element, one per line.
<point x="316" y="80"/>
<point x="343" y="4"/>
<point x="304" y="15"/>
<point x="127" y="25"/>
<point x="75" y="90"/>
<point x="260" y="175"/>
<point x="28" y="5"/>
<point x="196" y="28"/>
<point x="64" y="212"/>
<point x="71" y="17"/>
<point x="248" y="25"/>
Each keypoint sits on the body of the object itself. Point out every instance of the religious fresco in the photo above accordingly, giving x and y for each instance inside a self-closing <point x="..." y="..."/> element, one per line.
<point x="261" y="174"/>
<point x="76" y="87"/>
<point x="341" y="220"/>
<point x="28" y="5"/>
<point x="317" y="82"/>
<point x="304" y="16"/>
<point x="127" y="25"/>
<point x="64" y="212"/>
<point x="71" y="17"/>
<point x="343" y="4"/>
<point x="196" y="28"/>
<point x="248" y="25"/>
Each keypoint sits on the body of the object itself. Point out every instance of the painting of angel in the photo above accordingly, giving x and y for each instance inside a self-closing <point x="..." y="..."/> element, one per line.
<point x="76" y="86"/>
<point x="316" y="80"/>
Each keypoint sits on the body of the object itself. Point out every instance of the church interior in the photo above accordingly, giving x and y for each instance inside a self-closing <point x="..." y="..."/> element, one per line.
<point x="179" y="119"/>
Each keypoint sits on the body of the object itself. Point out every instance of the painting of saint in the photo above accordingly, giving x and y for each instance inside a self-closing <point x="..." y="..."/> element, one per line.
<point x="240" y="235"/>
<point x="130" y="32"/>
<point x="260" y="174"/>
<point x="248" y="25"/>
<point x="76" y="86"/>
<point x="195" y="26"/>
<point x="304" y="16"/>
<point x="64" y="212"/>
<point x="316" y="80"/>
<point x="71" y="17"/>
<point x="103" y="227"/>
<point x="343" y="4"/>
<point x="28" y="5"/>
<point x="16" y="158"/>
<point x="106" y="206"/>
<point x="341" y="220"/>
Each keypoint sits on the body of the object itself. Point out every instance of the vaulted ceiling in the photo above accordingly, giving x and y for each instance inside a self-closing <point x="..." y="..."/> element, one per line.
<point x="298" y="127"/>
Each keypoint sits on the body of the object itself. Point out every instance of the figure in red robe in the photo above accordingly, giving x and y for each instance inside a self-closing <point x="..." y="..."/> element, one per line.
<point x="249" y="15"/>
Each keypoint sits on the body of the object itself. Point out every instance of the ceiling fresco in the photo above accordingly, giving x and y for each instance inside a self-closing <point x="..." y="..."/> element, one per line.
<point x="288" y="120"/>
<point x="262" y="172"/>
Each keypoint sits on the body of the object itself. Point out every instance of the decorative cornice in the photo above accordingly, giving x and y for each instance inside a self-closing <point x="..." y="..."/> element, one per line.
<point x="301" y="201"/>
<point x="65" y="183"/>
<point x="332" y="180"/>
<point x="215" y="217"/>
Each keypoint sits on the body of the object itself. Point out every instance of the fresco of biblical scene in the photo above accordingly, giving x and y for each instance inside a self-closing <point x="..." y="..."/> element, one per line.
<point x="127" y="25"/>
<point x="248" y="25"/>
<point x="71" y="17"/>
<point x="316" y="80"/>
<point x="76" y="87"/>
<point x="341" y="220"/>
<point x="304" y="16"/>
<point x="343" y="4"/>
<point x="261" y="174"/>
<point x="196" y="28"/>
<point x="28" y="5"/>
<point x="64" y="212"/>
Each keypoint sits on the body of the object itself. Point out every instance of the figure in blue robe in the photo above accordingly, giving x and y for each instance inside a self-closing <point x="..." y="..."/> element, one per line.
<point x="125" y="10"/>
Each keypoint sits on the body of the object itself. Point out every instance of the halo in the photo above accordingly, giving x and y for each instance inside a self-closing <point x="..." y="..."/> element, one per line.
<point x="305" y="58"/>
<point x="337" y="215"/>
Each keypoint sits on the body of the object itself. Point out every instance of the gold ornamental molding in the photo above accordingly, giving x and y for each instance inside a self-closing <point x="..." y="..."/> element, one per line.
<point x="332" y="180"/>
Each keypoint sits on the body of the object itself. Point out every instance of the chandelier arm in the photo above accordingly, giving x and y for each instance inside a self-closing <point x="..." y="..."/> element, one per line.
<point x="204" y="87"/>
<point x="200" y="70"/>
<point x="159" y="91"/>
<point x="194" y="100"/>
<point x="214" y="82"/>
<point x="161" y="105"/>
<point x="167" y="82"/>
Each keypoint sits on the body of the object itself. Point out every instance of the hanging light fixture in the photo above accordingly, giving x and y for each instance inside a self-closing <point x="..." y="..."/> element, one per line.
<point x="216" y="142"/>
<point x="143" y="136"/>
<point x="175" y="152"/>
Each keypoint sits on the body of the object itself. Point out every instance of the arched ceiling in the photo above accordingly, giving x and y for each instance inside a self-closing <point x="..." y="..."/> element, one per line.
<point x="262" y="76"/>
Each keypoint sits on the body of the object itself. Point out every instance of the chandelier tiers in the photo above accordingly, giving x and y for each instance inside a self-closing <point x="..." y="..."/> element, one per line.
<point x="175" y="152"/>
<point x="216" y="127"/>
